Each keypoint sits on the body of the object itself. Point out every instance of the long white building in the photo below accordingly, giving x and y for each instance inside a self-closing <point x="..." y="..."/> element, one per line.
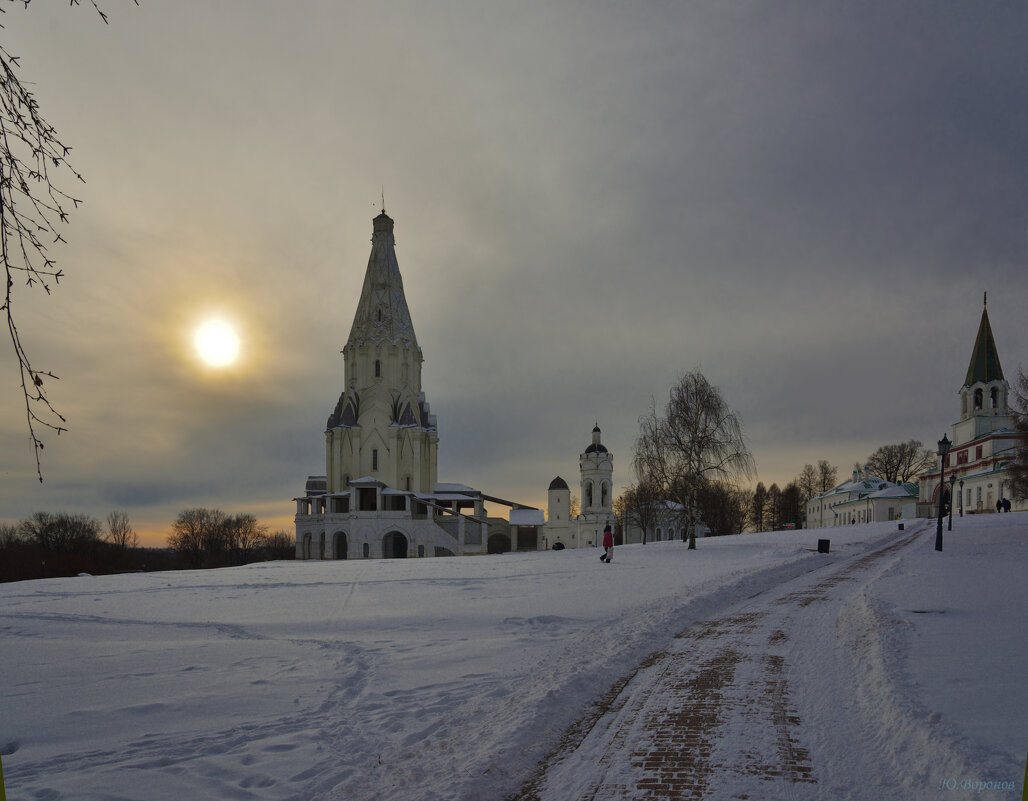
<point x="864" y="498"/>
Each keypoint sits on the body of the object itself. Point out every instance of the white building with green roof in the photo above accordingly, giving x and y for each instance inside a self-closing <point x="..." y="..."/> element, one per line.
<point x="984" y="441"/>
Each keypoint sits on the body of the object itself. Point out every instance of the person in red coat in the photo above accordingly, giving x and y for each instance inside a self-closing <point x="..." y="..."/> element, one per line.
<point x="608" y="545"/>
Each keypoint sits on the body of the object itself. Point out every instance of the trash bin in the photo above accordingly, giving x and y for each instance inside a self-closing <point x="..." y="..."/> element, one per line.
<point x="822" y="546"/>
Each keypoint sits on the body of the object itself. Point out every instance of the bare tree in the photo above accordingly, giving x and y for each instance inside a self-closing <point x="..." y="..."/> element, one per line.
<point x="792" y="505"/>
<point x="279" y="545"/>
<point x="209" y="537"/>
<point x="574" y="507"/>
<point x="758" y="507"/>
<point x="725" y="507"/>
<point x="698" y="440"/>
<point x="62" y="532"/>
<point x="807" y="482"/>
<point x="827" y="475"/>
<point x="745" y="500"/>
<point x="120" y="532"/>
<point x="32" y="210"/>
<point x="773" y="516"/>
<point x="639" y="504"/>
<point x="10" y="535"/>
<point x="1017" y="471"/>
<point x="900" y="462"/>
<point x="243" y="536"/>
<point x="619" y="508"/>
<point x="197" y="533"/>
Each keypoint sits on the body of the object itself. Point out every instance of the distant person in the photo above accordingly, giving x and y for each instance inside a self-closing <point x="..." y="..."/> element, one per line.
<point x="1006" y="504"/>
<point x="999" y="505"/>
<point x="608" y="544"/>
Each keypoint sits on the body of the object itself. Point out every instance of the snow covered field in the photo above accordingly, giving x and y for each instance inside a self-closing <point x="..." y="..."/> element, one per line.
<point x="411" y="680"/>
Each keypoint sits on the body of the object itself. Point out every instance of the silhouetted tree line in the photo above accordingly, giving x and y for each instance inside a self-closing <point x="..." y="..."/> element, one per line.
<point x="53" y="544"/>
<point x="773" y="508"/>
<point x="210" y="538"/>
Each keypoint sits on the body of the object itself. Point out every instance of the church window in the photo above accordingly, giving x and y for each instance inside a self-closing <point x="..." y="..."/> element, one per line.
<point x="378" y="368"/>
<point x="374" y="459"/>
<point x="589" y="494"/>
<point x="658" y="534"/>
<point x="408" y="483"/>
<point x="978" y="398"/>
<point x="994" y="397"/>
<point x="380" y="315"/>
<point x="978" y="452"/>
<point x="366" y="549"/>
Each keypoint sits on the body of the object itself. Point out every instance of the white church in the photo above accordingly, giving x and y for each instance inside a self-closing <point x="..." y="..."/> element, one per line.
<point x="984" y="441"/>
<point x="380" y="496"/>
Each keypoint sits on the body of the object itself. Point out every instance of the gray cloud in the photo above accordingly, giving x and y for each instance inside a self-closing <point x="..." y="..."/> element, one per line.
<point x="805" y="201"/>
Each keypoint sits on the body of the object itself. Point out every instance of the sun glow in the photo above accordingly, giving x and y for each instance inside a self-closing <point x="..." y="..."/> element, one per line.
<point x="217" y="343"/>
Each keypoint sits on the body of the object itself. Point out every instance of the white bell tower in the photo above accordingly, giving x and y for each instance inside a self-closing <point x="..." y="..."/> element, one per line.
<point x="597" y="468"/>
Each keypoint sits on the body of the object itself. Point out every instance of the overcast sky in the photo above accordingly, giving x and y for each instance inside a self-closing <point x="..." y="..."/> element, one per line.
<point x="804" y="200"/>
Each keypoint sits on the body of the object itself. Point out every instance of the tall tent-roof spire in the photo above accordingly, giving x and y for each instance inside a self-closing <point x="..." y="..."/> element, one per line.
<point x="984" y="366"/>
<point x="382" y="314"/>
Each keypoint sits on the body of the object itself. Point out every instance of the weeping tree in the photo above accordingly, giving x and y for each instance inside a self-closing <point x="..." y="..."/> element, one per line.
<point x="697" y="440"/>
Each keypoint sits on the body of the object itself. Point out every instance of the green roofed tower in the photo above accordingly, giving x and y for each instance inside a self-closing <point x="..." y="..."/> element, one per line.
<point x="984" y="441"/>
<point x="984" y="367"/>
<point x="983" y="397"/>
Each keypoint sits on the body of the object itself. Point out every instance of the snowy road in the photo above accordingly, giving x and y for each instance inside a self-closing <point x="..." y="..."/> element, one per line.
<point x="752" y="666"/>
<point x="782" y="696"/>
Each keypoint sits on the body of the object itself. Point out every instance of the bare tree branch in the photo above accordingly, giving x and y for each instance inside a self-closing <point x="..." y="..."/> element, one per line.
<point x="32" y="209"/>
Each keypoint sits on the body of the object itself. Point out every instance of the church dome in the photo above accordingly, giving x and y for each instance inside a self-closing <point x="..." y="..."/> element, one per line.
<point x="558" y="484"/>
<point x="596" y="446"/>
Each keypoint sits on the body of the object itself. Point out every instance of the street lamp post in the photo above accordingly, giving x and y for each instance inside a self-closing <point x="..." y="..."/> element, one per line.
<point x="952" y="487"/>
<point x="961" y="497"/>
<point x="944" y="444"/>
